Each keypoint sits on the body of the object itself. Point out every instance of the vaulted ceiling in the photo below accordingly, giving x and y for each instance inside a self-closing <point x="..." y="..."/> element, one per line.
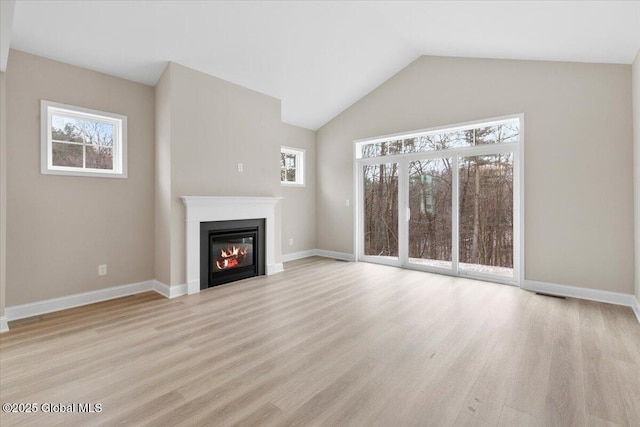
<point x="317" y="57"/>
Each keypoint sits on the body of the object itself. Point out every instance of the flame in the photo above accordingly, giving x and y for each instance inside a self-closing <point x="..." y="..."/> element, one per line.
<point x="231" y="257"/>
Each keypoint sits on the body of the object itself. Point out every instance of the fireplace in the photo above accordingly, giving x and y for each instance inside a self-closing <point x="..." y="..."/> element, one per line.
<point x="231" y="250"/>
<point x="201" y="209"/>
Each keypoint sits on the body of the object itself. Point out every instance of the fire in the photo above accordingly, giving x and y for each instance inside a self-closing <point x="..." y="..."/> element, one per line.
<point x="232" y="257"/>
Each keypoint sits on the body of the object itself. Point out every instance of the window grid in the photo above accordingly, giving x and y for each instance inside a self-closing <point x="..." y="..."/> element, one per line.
<point x="101" y="135"/>
<point x="292" y="166"/>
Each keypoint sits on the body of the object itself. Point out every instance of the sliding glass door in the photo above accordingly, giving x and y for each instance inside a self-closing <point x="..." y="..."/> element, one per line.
<point x="380" y="205"/>
<point x="445" y="200"/>
<point x="430" y="215"/>
<point x="486" y="214"/>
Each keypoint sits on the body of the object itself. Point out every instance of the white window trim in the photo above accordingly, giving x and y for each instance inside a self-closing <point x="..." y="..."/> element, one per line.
<point x="300" y="154"/>
<point x="517" y="148"/>
<point x="434" y="131"/>
<point x="48" y="108"/>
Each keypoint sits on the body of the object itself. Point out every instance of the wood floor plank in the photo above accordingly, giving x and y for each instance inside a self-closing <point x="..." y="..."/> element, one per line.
<point x="196" y="380"/>
<point x="314" y="409"/>
<point x="489" y="393"/>
<point x="565" y="402"/>
<point x="629" y="380"/>
<point x="466" y="420"/>
<point x="266" y="415"/>
<point x="407" y="400"/>
<point x="330" y="343"/>
<point x="623" y="333"/>
<point x="591" y="315"/>
<point x="599" y="422"/>
<point x="529" y="384"/>
<point x="603" y="397"/>
<point x="511" y="417"/>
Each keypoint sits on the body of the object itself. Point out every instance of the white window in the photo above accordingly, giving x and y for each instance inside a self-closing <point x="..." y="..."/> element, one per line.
<point x="446" y="200"/>
<point x="82" y="142"/>
<point x="497" y="132"/>
<point x="292" y="166"/>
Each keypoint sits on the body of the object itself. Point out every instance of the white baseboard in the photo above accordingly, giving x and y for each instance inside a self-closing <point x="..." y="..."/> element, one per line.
<point x="617" y="298"/>
<point x="337" y="255"/>
<point x="169" y="291"/>
<point x="318" y="252"/>
<point x="193" y="286"/>
<point x="62" y="303"/>
<point x="597" y="295"/>
<point x="76" y="300"/>
<point x="636" y="307"/>
<point x="298" y="255"/>
<point x="274" y="268"/>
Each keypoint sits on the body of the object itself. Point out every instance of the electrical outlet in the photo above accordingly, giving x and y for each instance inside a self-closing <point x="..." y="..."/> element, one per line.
<point x="102" y="270"/>
<point x="290" y="242"/>
<point x="348" y="203"/>
<point x="240" y="167"/>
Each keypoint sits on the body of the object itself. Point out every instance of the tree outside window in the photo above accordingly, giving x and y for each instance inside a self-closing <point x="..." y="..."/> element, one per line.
<point x="291" y="166"/>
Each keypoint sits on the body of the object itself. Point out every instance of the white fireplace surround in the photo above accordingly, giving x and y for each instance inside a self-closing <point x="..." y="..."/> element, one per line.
<point x="205" y="209"/>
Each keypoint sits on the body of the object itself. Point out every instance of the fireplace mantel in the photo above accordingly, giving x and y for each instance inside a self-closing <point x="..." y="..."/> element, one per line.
<point x="204" y="208"/>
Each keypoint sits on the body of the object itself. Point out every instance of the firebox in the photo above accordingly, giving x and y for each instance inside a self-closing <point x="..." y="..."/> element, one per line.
<point x="230" y="251"/>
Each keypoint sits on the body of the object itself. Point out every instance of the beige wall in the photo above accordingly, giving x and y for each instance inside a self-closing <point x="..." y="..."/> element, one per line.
<point x="636" y="166"/>
<point x="163" y="178"/>
<point x="299" y="204"/>
<point x="61" y="227"/>
<point x="3" y="190"/>
<point x="215" y="125"/>
<point x="578" y="155"/>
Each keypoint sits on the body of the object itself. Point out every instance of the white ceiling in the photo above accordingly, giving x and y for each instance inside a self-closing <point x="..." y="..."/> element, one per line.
<point x="317" y="57"/>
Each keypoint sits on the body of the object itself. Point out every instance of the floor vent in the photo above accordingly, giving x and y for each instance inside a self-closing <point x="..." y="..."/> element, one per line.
<point x="550" y="295"/>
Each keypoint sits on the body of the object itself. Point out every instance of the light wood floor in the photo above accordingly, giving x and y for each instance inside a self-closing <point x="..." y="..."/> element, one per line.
<point x="331" y="343"/>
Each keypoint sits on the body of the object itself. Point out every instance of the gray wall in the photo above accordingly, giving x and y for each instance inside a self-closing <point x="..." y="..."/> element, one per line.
<point x="578" y="155"/>
<point x="214" y="125"/>
<point x="299" y="204"/>
<point x="61" y="227"/>
<point x="163" y="178"/>
<point x="3" y="190"/>
<point x="636" y="166"/>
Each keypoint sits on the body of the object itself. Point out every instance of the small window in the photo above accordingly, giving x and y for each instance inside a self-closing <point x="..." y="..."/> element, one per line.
<point x="498" y="132"/>
<point x="82" y="142"/>
<point x="291" y="166"/>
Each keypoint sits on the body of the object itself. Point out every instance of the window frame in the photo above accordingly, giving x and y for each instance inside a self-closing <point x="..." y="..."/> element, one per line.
<point x="361" y="143"/>
<point x="50" y="108"/>
<point x="300" y="169"/>
<point x="518" y="150"/>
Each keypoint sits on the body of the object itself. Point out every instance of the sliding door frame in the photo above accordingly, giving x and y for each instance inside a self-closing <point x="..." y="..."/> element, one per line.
<point x="360" y="256"/>
<point x="517" y="148"/>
